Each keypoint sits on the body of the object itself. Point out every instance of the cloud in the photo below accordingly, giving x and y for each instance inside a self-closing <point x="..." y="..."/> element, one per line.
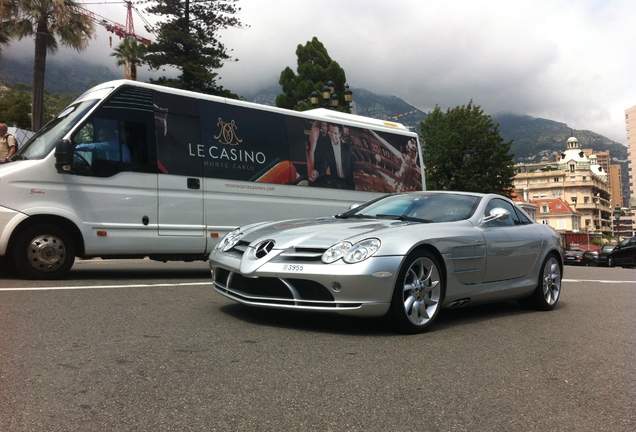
<point x="565" y="60"/>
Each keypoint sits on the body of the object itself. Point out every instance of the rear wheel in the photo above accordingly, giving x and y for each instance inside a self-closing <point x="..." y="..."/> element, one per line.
<point x="418" y="293"/>
<point x="44" y="251"/>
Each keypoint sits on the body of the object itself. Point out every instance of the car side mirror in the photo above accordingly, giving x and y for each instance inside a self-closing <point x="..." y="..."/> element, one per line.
<point x="496" y="214"/>
<point x="64" y="156"/>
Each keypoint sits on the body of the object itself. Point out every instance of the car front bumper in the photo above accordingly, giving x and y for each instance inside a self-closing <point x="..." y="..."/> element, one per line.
<point x="362" y="289"/>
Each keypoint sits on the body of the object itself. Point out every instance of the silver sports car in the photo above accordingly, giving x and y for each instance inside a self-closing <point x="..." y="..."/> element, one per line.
<point x="402" y="255"/>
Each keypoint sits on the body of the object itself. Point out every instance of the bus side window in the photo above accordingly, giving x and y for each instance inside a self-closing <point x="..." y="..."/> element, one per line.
<point x="136" y="139"/>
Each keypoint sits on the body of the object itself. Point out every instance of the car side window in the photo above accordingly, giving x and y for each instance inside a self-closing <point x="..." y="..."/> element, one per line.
<point x="511" y="221"/>
<point x="523" y="219"/>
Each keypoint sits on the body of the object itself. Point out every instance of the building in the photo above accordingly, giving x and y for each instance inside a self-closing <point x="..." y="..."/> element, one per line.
<point x="624" y="225"/>
<point x="616" y="185"/>
<point x="575" y="179"/>
<point x="630" y="127"/>
<point x="558" y="214"/>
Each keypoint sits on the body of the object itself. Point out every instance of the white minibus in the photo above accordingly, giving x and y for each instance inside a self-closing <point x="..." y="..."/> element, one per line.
<point x="135" y="170"/>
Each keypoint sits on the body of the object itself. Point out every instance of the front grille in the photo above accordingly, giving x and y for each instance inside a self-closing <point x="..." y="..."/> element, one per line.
<point x="265" y="287"/>
<point x="303" y="254"/>
<point x="273" y="290"/>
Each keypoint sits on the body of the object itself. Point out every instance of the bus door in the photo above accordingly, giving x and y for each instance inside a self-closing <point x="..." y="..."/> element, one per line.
<point x="180" y="179"/>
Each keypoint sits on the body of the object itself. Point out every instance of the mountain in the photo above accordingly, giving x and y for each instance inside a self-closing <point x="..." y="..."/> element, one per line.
<point x="60" y="77"/>
<point x="534" y="139"/>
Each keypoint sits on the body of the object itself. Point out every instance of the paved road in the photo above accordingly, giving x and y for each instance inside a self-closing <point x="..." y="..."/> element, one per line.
<point x="143" y="346"/>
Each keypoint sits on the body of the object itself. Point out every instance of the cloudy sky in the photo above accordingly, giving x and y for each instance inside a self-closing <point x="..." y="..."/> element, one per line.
<point x="572" y="61"/>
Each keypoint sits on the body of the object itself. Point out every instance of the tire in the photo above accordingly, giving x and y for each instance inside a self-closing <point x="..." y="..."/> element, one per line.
<point x="43" y="251"/>
<point x="418" y="293"/>
<point x="610" y="261"/>
<point x="548" y="290"/>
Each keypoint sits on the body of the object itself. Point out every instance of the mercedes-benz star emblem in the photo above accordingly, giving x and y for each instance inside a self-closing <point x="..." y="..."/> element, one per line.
<point x="264" y="248"/>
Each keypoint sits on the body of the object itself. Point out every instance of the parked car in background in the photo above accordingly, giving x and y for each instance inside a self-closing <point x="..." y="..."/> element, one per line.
<point x="406" y="255"/>
<point x="604" y="253"/>
<point x="574" y="257"/>
<point x="598" y="258"/>
<point x="624" y="254"/>
<point x="590" y="258"/>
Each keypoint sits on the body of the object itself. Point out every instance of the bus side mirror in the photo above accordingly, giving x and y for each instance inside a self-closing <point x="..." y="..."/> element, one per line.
<point x="64" y="156"/>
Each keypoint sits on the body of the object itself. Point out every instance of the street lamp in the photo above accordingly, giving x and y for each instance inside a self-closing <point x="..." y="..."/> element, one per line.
<point x="617" y="216"/>
<point x="330" y="98"/>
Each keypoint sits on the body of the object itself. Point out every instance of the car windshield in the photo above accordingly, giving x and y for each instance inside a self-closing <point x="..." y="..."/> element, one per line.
<point x="424" y="207"/>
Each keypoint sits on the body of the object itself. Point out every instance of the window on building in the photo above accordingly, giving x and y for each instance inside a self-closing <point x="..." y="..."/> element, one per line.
<point x="586" y="200"/>
<point x="556" y="179"/>
<point x="544" y="209"/>
<point x="572" y="168"/>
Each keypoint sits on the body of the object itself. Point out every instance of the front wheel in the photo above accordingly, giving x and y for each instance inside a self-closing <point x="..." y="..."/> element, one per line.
<point x="548" y="290"/>
<point x="610" y="262"/>
<point x="418" y="293"/>
<point x="43" y="252"/>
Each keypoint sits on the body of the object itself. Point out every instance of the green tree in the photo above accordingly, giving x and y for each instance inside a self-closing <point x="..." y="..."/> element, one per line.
<point x="49" y="21"/>
<point x="314" y="69"/>
<point x="15" y="107"/>
<point x="464" y="151"/>
<point x="129" y="54"/>
<point x="188" y="41"/>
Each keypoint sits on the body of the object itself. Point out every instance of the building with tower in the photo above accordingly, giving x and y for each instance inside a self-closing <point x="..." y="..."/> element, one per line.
<point x="571" y="193"/>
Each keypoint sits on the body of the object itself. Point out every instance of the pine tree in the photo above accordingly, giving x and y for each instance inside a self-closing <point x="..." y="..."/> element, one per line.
<point x="188" y="41"/>
<point x="314" y="70"/>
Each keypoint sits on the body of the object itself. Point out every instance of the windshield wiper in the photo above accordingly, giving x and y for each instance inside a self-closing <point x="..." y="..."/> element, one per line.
<point x="356" y="216"/>
<point x="403" y="218"/>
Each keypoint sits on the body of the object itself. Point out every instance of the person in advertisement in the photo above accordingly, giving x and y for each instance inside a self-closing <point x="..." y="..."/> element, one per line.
<point x="334" y="159"/>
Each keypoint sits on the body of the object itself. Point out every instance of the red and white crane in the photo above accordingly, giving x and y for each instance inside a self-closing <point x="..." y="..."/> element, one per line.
<point x="127" y="31"/>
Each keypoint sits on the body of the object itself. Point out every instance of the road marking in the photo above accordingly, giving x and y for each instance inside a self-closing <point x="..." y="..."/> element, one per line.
<point x="57" y="288"/>
<point x="81" y="287"/>
<point x="599" y="281"/>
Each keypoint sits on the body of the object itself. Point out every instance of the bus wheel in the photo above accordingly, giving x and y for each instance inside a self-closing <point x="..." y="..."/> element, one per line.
<point x="44" y="252"/>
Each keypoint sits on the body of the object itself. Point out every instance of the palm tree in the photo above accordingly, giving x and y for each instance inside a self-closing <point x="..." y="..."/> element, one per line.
<point x="6" y="12"/>
<point x="48" y="20"/>
<point x="129" y="53"/>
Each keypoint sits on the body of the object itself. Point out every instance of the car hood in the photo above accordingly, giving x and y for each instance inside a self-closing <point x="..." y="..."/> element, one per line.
<point x="321" y="232"/>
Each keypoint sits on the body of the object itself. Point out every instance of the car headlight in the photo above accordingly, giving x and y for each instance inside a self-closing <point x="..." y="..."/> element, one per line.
<point x="351" y="253"/>
<point x="229" y="241"/>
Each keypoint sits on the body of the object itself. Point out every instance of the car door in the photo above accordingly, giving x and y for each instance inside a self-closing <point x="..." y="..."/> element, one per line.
<point x="624" y="255"/>
<point x="512" y="245"/>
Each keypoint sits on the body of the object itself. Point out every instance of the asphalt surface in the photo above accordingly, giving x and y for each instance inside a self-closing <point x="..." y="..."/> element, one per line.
<point x="144" y="346"/>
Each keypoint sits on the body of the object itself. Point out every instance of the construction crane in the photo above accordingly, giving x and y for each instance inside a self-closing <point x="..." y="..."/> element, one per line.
<point x="124" y="32"/>
<point x="397" y="116"/>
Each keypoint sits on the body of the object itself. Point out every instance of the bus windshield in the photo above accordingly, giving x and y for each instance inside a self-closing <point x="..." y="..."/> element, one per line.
<point x="43" y="142"/>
